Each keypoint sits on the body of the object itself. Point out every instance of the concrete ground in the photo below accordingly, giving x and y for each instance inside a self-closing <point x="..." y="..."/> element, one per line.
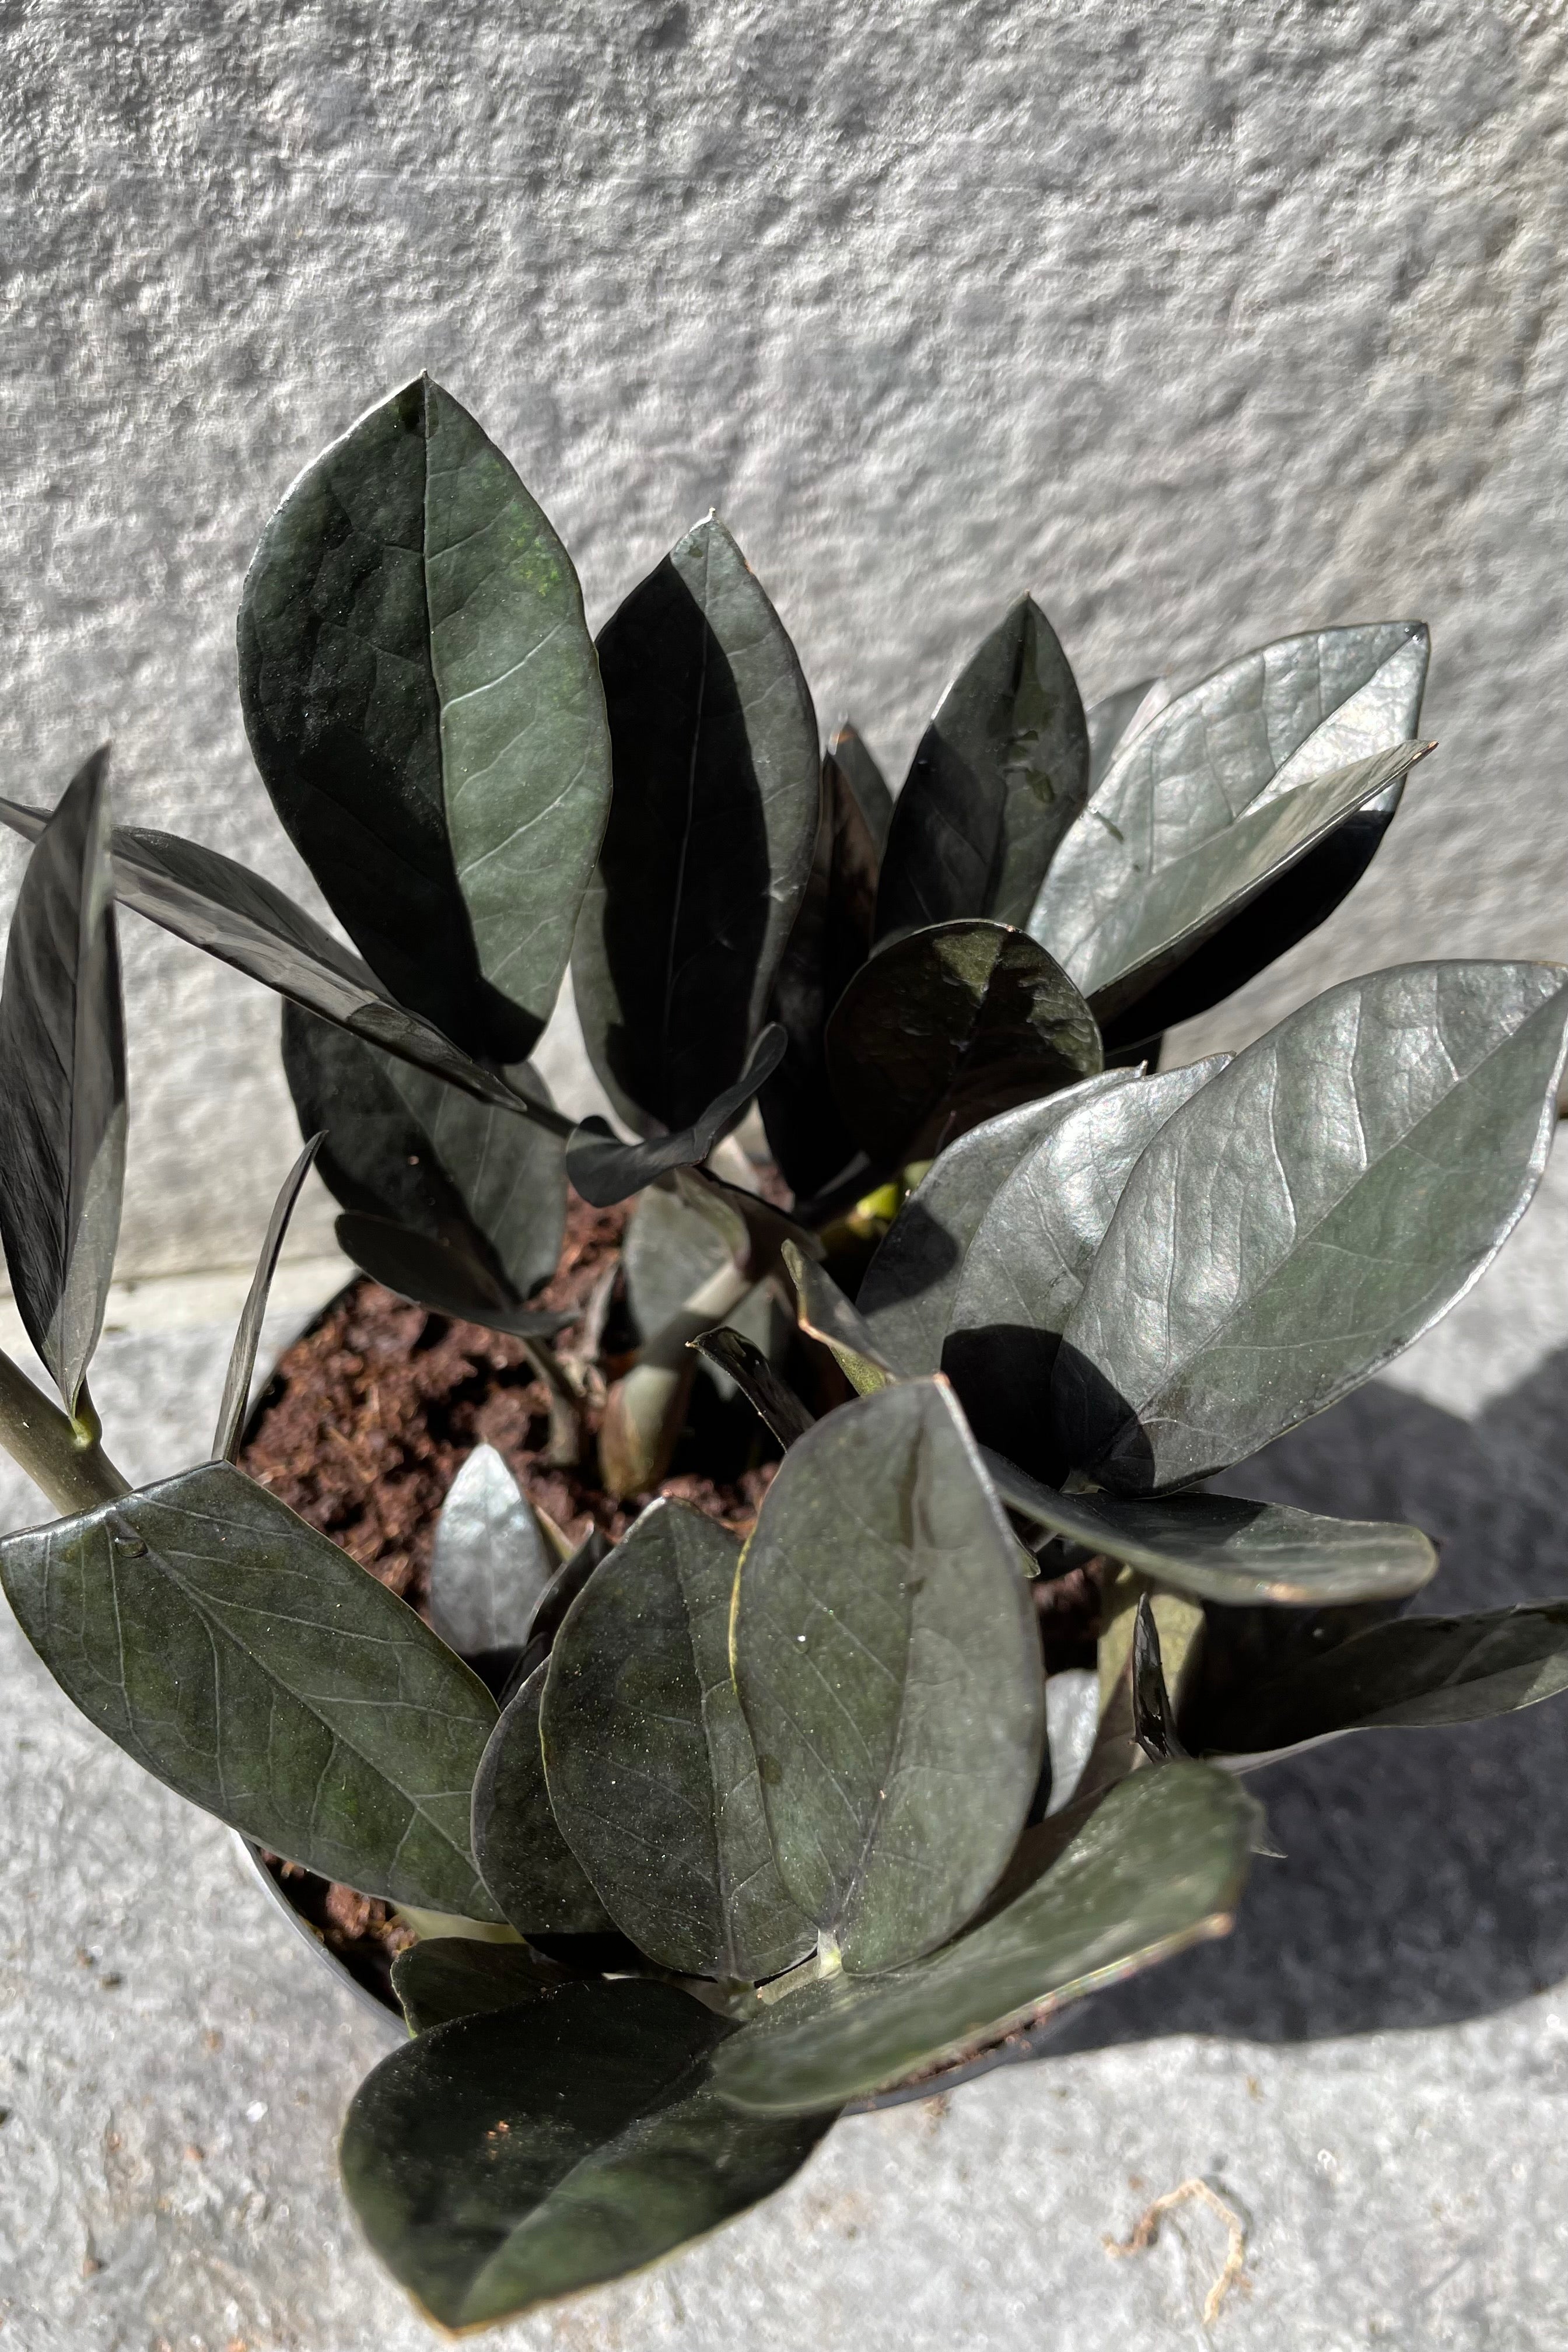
<point x="1373" y="2072"/>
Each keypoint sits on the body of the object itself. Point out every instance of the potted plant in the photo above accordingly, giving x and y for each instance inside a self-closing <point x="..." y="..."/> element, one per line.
<point x="700" y="1839"/>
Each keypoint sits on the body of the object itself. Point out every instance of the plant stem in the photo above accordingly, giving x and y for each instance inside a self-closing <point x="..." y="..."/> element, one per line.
<point x="644" y="1411"/>
<point x="68" y="1462"/>
<point x="565" y="1448"/>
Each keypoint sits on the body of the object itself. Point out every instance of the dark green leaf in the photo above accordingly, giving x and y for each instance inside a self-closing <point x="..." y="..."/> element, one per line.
<point x="491" y="1563"/>
<point x="945" y="1028"/>
<point x="830" y="941"/>
<point x="254" y="1667"/>
<point x="866" y="781"/>
<point x="62" y="1081"/>
<point x="1030" y="1257"/>
<point x="439" y="1275"/>
<point x="1222" y="1549"/>
<point x="1153" y="1717"/>
<point x="604" y="1170"/>
<point x="247" y="1337"/>
<point x="1170" y="897"/>
<point x="421" y="696"/>
<point x="416" y="1153"/>
<point x="501" y="2161"/>
<point x="650" y="1764"/>
<point x="527" y="1864"/>
<point x="886" y="1656"/>
<point x="443" y="1977"/>
<point x="772" y="1400"/>
<point x="825" y="1314"/>
<point x="1293" y="711"/>
<point x="213" y="904"/>
<point x="1309" y="1213"/>
<point x="1111" y="721"/>
<point x="1416" y="1674"/>
<point x="1158" y="1865"/>
<point x="907" y="1293"/>
<point x="1000" y="775"/>
<point x="671" y="1248"/>
<point x="710" y="833"/>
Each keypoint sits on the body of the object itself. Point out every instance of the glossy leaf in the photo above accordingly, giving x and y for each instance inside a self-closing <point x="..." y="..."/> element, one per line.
<point x="885" y="1652"/>
<point x="649" y="1765"/>
<point x="907" y="1292"/>
<point x="489" y="1564"/>
<point x="1113" y="719"/>
<point x="213" y="904"/>
<point x="1118" y="945"/>
<point x="949" y="1026"/>
<point x="774" y="1403"/>
<point x="1309" y="1213"/>
<point x="1414" y="1676"/>
<point x="866" y="780"/>
<point x="501" y="2161"/>
<point x="1153" y="1713"/>
<point x="1220" y="1547"/>
<point x="410" y="1149"/>
<point x="825" y="1314"/>
<point x="671" y="1250"/>
<point x="421" y="697"/>
<point x="710" y="833"/>
<point x="62" y="1081"/>
<point x="1029" y="1260"/>
<point x="530" y="1869"/>
<point x="443" y="1977"/>
<point x="439" y="1275"/>
<point x="1290" y="711"/>
<point x="252" y="1666"/>
<point x="1000" y="775"/>
<point x="1158" y="1865"/>
<point x="603" y="1170"/>
<point x="248" y="1336"/>
<point x="830" y="941"/>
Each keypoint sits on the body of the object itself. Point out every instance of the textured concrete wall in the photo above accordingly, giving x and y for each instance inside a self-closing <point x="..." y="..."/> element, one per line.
<point x="1206" y="323"/>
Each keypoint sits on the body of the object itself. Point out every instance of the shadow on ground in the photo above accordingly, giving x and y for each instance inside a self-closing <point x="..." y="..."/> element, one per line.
<point x="1425" y="1877"/>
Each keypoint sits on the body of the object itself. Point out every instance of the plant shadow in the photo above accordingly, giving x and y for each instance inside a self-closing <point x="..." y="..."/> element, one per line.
<point x="1425" y="1877"/>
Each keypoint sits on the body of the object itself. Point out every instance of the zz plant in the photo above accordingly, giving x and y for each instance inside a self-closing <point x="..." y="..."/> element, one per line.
<point x="705" y="1840"/>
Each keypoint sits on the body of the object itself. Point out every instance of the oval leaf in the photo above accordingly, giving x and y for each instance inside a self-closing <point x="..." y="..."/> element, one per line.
<point x="1029" y="1259"/>
<point x="830" y="941"/>
<point x="1251" y="731"/>
<point x="1182" y="898"/>
<point x="62" y="1080"/>
<point x="710" y="832"/>
<point x="252" y="1666"/>
<point x="1221" y="1547"/>
<point x="491" y="1563"/>
<point x="1000" y="775"/>
<point x="530" y="1869"/>
<point x="887" y="1659"/>
<point x="1309" y="1213"/>
<point x="421" y="697"/>
<point x="907" y="1292"/>
<point x="1418" y="1674"/>
<point x="449" y="1280"/>
<point x="500" y="2161"/>
<point x="949" y="1026"/>
<point x="1160" y="1864"/>
<point x="649" y="1765"/>
<point x="416" y="1153"/>
<point x="603" y="1170"/>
